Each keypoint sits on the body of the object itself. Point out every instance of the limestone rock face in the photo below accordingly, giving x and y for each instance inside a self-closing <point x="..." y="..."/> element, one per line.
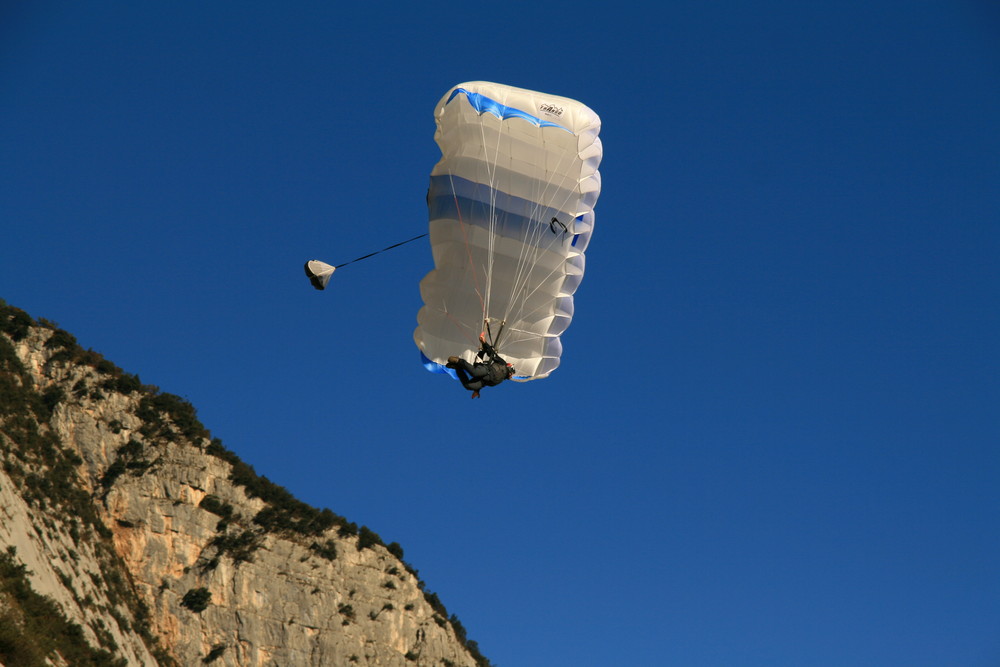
<point x="165" y="549"/>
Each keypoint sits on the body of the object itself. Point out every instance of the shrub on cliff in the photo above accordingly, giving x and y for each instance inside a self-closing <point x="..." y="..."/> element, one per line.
<point x="197" y="599"/>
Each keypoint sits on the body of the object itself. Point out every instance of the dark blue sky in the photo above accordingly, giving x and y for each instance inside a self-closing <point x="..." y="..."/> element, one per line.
<point x="774" y="436"/>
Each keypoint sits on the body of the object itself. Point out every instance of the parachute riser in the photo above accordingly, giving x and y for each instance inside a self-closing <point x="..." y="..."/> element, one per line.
<point x="494" y="340"/>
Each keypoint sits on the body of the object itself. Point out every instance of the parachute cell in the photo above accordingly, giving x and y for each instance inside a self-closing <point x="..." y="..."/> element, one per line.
<point x="511" y="208"/>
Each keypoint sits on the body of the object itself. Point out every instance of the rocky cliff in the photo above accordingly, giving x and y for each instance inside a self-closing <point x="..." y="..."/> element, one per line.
<point x="128" y="536"/>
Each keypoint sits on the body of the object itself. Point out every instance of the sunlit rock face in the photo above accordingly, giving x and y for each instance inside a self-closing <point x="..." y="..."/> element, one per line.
<point x="162" y="548"/>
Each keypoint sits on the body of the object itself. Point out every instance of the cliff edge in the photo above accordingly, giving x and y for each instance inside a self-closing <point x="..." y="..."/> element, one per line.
<point x="128" y="536"/>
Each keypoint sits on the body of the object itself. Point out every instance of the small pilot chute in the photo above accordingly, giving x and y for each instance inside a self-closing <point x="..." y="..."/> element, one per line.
<point x="319" y="273"/>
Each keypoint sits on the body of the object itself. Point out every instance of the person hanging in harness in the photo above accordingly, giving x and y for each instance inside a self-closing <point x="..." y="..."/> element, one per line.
<point x="489" y="370"/>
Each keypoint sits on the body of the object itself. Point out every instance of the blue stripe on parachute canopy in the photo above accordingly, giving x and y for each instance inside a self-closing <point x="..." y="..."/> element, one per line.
<point x="482" y="103"/>
<point x="435" y="367"/>
<point x="515" y="216"/>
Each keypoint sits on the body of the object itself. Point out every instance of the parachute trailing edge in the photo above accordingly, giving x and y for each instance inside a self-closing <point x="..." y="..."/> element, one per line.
<point x="319" y="273"/>
<point x="511" y="210"/>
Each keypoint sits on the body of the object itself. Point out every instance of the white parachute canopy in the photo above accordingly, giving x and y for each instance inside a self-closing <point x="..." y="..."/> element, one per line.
<point x="319" y="273"/>
<point x="511" y="207"/>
